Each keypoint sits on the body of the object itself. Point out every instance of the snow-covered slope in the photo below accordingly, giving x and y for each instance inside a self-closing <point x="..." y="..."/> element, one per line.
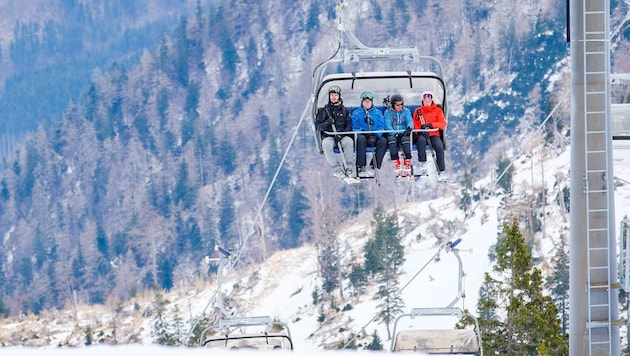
<point x="282" y="287"/>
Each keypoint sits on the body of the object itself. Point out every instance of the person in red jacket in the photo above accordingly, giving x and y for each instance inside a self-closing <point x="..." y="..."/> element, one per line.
<point x="430" y="116"/>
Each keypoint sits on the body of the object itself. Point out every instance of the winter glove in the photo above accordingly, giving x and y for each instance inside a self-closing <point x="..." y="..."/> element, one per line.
<point x="407" y="131"/>
<point x="427" y="126"/>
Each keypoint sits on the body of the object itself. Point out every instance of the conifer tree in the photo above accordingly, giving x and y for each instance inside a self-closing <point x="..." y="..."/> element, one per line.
<point x="376" y="343"/>
<point x="558" y="282"/>
<point x="528" y="324"/>
<point x="181" y="46"/>
<point x="329" y="254"/>
<point x="227" y="215"/>
<point x="504" y="172"/>
<point x="385" y="254"/>
<point x="329" y="262"/>
<point x="4" y="311"/>
<point x="296" y="219"/>
<point x="160" y="327"/>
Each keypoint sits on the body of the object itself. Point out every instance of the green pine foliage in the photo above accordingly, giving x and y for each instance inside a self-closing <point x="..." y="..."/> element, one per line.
<point x="180" y="63"/>
<point x="165" y="271"/>
<point x="89" y="336"/>
<point x="4" y="190"/>
<point x="226" y="216"/>
<point x="505" y="173"/>
<point x="79" y="266"/>
<point x="384" y="249"/>
<point x="200" y="325"/>
<point x="183" y="192"/>
<point x="514" y="316"/>
<point x="328" y="258"/>
<point x="27" y="180"/>
<point x="358" y="278"/>
<point x="298" y="211"/>
<point x="558" y="282"/>
<point x="161" y="328"/>
<point x="376" y="343"/>
<point x="385" y="256"/>
<point x="349" y="344"/>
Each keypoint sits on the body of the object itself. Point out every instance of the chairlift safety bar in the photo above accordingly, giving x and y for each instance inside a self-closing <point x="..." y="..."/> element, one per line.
<point x="415" y="312"/>
<point x="224" y="324"/>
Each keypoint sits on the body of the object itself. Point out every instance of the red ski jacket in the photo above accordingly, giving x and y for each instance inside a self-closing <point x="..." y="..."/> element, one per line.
<point x="431" y="114"/>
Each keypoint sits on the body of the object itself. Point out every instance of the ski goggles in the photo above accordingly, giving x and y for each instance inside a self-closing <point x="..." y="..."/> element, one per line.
<point x="427" y="96"/>
<point x="367" y="95"/>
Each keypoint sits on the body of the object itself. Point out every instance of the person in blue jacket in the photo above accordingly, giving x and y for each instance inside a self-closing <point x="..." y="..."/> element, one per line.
<point x="368" y="118"/>
<point x="399" y="122"/>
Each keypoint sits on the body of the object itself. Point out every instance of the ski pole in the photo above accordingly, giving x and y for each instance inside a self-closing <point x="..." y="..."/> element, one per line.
<point x="343" y="158"/>
<point x="430" y="145"/>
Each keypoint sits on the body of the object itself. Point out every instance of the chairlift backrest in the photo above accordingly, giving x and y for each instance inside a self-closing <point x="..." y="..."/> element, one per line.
<point x="383" y="84"/>
<point x="436" y="340"/>
<point x="453" y="341"/>
<point x="230" y="334"/>
<point x="257" y="341"/>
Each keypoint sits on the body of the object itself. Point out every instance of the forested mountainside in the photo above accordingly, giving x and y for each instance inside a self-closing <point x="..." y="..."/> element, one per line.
<point x="164" y="158"/>
<point x="49" y="50"/>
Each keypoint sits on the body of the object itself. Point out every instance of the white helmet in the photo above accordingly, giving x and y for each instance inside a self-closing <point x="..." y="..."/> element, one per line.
<point x="427" y="93"/>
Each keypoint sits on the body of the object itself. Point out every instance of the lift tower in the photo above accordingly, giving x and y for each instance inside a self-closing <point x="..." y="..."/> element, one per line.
<point x="593" y="320"/>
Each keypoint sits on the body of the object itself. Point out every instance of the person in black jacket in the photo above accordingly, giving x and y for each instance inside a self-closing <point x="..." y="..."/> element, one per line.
<point x="331" y="118"/>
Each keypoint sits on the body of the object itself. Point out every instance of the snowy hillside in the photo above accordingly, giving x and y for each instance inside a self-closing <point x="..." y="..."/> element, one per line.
<point x="427" y="281"/>
<point x="283" y="286"/>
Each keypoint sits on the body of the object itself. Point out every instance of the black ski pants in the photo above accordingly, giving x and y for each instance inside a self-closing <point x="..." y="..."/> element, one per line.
<point x="437" y="145"/>
<point x="393" y="141"/>
<point x="370" y="140"/>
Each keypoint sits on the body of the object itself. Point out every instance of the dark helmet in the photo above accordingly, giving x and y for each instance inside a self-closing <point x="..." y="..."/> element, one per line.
<point x="397" y="98"/>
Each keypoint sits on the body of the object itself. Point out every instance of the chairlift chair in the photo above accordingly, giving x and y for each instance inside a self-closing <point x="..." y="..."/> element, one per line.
<point x="259" y="333"/>
<point x="436" y="341"/>
<point x="383" y="71"/>
<point x="620" y="113"/>
<point x="439" y="340"/>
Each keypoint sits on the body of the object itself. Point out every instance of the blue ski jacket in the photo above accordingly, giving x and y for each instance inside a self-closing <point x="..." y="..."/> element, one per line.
<point x="368" y="120"/>
<point x="398" y="120"/>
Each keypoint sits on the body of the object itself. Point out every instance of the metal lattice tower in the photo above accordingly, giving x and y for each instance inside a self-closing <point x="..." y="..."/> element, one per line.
<point x="593" y="321"/>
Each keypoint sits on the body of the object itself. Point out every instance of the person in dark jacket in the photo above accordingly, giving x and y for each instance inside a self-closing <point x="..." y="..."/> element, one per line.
<point x="334" y="117"/>
<point x="369" y="118"/>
